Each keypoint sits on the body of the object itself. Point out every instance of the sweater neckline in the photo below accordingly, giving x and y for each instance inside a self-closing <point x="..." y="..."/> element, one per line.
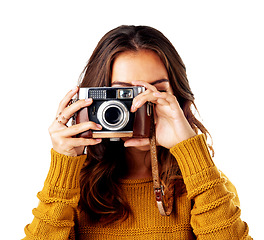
<point x="136" y="181"/>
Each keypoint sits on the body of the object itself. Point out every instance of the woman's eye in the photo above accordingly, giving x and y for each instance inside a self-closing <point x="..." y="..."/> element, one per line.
<point x="162" y="90"/>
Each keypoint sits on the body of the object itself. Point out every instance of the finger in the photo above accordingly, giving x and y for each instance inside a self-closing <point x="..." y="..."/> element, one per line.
<point x="170" y="100"/>
<point x="142" y="95"/>
<point x="65" y="101"/>
<point x="145" y="84"/>
<point x="136" y="142"/>
<point x="147" y="96"/>
<point x="64" y="116"/>
<point x="168" y="97"/>
<point x="56" y="126"/>
<point x="61" y="119"/>
<point x="82" y="142"/>
<point x="162" y="102"/>
<point x="79" y="128"/>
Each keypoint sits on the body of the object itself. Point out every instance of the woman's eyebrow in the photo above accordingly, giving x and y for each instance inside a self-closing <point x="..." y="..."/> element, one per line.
<point x="159" y="81"/>
<point x="129" y="84"/>
<point x="122" y="84"/>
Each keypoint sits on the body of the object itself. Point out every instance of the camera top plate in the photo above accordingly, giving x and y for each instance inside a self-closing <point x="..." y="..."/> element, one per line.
<point x="104" y="93"/>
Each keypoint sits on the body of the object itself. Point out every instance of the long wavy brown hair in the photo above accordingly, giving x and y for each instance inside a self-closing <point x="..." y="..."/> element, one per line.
<point x="101" y="195"/>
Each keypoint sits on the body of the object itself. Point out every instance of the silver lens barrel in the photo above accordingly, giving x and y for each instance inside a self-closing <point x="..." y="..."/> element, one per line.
<point x="113" y="115"/>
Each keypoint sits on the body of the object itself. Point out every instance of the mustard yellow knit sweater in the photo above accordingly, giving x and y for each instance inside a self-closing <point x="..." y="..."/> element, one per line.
<point x="209" y="209"/>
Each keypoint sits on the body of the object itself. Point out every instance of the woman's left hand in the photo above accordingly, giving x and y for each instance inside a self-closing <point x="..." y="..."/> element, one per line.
<point x="171" y="125"/>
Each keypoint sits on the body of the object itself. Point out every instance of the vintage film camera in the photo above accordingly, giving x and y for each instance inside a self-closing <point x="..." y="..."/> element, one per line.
<point x="111" y="108"/>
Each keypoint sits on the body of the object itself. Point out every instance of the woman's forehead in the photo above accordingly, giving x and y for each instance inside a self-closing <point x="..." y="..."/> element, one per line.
<point x="143" y="65"/>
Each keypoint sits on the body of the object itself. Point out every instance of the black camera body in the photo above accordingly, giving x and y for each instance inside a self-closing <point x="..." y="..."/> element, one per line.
<point x="111" y="109"/>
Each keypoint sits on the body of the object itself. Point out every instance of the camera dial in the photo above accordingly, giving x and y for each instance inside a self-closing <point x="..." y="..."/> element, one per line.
<point x="113" y="115"/>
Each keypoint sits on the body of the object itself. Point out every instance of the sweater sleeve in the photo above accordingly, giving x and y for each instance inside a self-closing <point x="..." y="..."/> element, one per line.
<point x="215" y="214"/>
<point x="54" y="216"/>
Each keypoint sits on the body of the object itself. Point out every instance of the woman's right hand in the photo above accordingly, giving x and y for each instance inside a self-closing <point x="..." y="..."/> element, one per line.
<point x="62" y="136"/>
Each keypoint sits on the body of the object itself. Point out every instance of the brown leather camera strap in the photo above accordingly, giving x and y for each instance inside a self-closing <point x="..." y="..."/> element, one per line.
<point x="165" y="208"/>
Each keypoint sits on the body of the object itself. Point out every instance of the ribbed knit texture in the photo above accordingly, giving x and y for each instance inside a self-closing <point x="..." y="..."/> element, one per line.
<point x="146" y="223"/>
<point x="209" y="209"/>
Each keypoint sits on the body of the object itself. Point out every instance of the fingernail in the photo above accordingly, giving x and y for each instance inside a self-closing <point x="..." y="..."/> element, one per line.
<point x="98" y="126"/>
<point x="88" y="100"/>
<point x="98" y="139"/>
<point x="133" y="109"/>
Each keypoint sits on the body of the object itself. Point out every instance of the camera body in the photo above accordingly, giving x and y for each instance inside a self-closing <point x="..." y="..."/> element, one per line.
<point x="111" y="109"/>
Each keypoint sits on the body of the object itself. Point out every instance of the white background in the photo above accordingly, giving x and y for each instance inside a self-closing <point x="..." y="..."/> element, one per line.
<point x="45" y="45"/>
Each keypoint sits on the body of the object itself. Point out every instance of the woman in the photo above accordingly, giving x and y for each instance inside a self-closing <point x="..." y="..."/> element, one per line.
<point x="108" y="193"/>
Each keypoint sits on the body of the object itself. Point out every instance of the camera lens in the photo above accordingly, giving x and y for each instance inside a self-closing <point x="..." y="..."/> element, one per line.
<point x="112" y="115"/>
